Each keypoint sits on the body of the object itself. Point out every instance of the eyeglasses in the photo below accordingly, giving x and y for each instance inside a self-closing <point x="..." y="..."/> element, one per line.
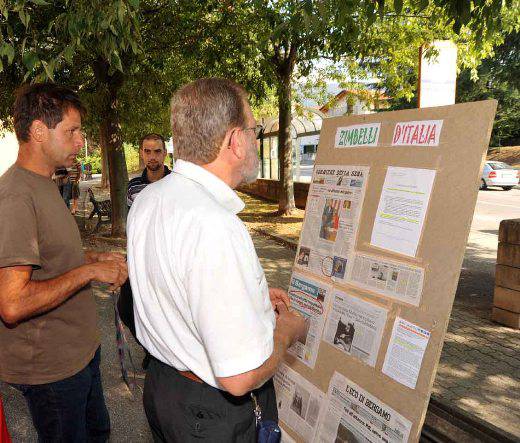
<point x="257" y="129"/>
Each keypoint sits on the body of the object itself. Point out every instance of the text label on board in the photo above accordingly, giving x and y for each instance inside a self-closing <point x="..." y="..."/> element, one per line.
<point x="417" y="133"/>
<point x="358" y="135"/>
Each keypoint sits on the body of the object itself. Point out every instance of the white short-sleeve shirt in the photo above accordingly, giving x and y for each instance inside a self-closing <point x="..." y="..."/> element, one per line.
<point x="201" y="301"/>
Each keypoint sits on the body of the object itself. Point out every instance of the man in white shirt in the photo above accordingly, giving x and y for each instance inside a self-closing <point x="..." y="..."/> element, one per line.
<point x="201" y="302"/>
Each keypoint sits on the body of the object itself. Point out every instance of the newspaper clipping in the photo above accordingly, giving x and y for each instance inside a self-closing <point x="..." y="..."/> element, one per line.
<point x="299" y="402"/>
<point x="353" y="415"/>
<point x="355" y="327"/>
<point x="310" y="298"/>
<point x="405" y="352"/>
<point x="332" y="215"/>
<point x="394" y="279"/>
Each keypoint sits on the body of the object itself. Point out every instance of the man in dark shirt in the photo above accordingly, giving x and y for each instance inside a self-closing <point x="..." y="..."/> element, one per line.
<point x="153" y="152"/>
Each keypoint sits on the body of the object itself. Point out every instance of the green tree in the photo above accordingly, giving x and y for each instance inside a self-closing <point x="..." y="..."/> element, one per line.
<point x="285" y="39"/>
<point x="120" y="55"/>
<point x="498" y="77"/>
<point x="44" y="39"/>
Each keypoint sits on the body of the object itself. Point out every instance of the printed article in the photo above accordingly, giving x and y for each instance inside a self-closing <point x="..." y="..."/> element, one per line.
<point x="405" y="352"/>
<point x="299" y="402"/>
<point x="353" y="415"/>
<point x="394" y="279"/>
<point x="355" y="327"/>
<point x="402" y="209"/>
<point x="332" y="214"/>
<point x="310" y="298"/>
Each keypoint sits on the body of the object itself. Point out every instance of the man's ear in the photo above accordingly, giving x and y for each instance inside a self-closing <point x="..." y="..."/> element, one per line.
<point x="38" y="131"/>
<point x="234" y="142"/>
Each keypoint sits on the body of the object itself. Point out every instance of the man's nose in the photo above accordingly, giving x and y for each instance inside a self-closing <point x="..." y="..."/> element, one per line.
<point x="79" y="140"/>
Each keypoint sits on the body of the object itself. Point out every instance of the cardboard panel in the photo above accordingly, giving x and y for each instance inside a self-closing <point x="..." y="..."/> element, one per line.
<point x="458" y="161"/>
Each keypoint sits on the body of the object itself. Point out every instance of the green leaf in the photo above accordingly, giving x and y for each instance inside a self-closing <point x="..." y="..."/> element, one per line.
<point x="39" y="2"/>
<point x="49" y="69"/>
<point x="115" y="61"/>
<point x="134" y="3"/>
<point x="1" y="66"/>
<point x="31" y="60"/>
<point x="8" y="51"/>
<point x="398" y="6"/>
<point x="24" y="41"/>
<point x="24" y="17"/>
<point x="68" y="54"/>
<point x="121" y="12"/>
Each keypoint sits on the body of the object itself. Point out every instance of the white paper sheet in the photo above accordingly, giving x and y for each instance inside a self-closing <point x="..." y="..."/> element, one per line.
<point x="354" y="415"/>
<point x="417" y="133"/>
<point x="394" y="279"/>
<point x="331" y="220"/>
<point x="299" y="402"/>
<point x="405" y="352"/>
<point x="310" y="298"/>
<point x="402" y="209"/>
<point x="357" y="135"/>
<point x="355" y="327"/>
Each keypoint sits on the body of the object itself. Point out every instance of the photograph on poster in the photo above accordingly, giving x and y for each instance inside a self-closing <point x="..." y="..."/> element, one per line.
<point x="355" y="326"/>
<point x="334" y="204"/>
<point x="352" y="414"/>
<point x="402" y="209"/>
<point x="398" y="280"/>
<point x="330" y="220"/>
<point x="310" y="299"/>
<point x="339" y="266"/>
<point x="303" y="256"/>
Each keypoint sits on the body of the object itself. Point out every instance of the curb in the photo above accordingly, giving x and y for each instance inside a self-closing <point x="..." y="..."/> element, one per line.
<point x="282" y="241"/>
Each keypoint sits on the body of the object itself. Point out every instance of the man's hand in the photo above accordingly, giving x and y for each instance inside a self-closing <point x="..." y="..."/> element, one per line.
<point x="94" y="256"/>
<point x="114" y="272"/>
<point x="290" y="326"/>
<point x="278" y="296"/>
<point x="115" y="256"/>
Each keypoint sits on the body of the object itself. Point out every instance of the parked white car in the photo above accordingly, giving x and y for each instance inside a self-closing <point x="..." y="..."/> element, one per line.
<point x="499" y="174"/>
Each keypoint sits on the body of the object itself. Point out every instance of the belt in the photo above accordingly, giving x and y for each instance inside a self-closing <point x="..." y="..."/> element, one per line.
<point x="191" y="376"/>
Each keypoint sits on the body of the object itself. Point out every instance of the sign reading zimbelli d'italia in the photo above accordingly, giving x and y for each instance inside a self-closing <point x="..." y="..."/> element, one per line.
<point x="358" y="135"/>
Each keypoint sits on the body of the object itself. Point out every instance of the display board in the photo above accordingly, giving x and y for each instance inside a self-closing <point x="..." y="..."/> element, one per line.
<point x="386" y="224"/>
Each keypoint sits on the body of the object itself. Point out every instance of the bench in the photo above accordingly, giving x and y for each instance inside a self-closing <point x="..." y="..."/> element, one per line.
<point x="101" y="208"/>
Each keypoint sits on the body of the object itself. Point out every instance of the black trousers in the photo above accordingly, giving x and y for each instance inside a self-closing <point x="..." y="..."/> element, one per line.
<point x="181" y="410"/>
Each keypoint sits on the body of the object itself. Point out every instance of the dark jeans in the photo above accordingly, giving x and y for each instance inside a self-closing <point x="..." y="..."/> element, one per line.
<point x="66" y="193"/>
<point x="70" y="410"/>
<point x="180" y="410"/>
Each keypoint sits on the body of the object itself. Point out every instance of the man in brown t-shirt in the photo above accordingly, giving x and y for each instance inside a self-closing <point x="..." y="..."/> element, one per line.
<point x="49" y="343"/>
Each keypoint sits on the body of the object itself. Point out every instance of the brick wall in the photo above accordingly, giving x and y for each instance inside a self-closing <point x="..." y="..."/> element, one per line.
<point x="506" y="301"/>
<point x="268" y="189"/>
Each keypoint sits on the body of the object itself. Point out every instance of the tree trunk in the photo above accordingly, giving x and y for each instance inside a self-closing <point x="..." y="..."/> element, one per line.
<point x="104" y="159"/>
<point x="109" y="86"/>
<point x="286" y="203"/>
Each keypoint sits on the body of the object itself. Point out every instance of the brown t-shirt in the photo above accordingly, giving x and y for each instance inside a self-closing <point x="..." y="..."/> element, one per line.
<point x="37" y="229"/>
